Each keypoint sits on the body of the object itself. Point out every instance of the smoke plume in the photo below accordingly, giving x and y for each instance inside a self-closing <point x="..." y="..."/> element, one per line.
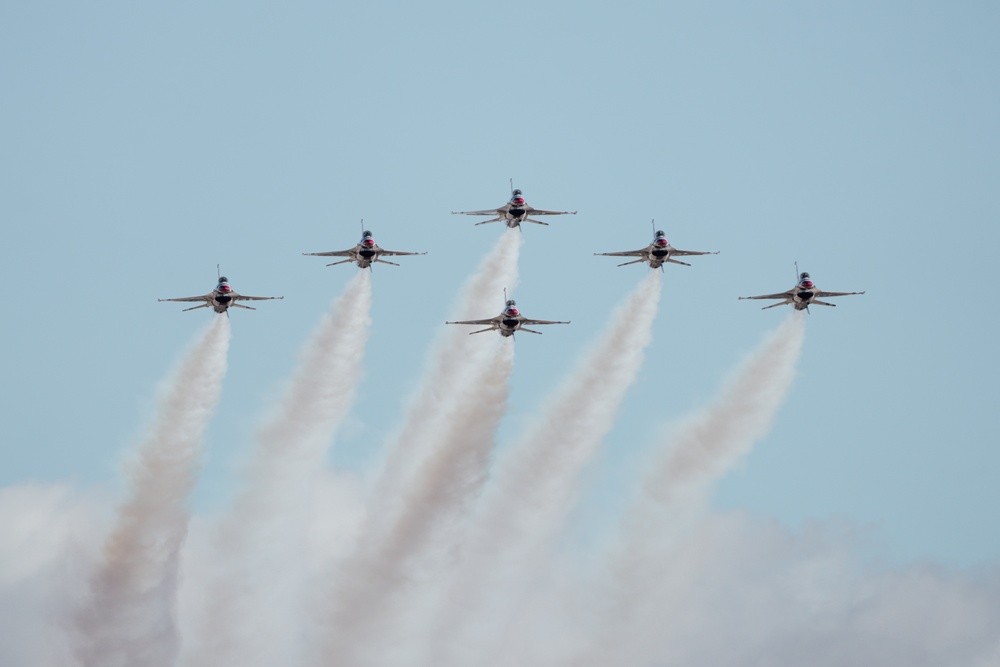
<point x="261" y="537"/>
<point x="536" y="483"/>
<point x="434" y="467"/>
<point x="701" y="449"/>
<point x="128" y="620"/>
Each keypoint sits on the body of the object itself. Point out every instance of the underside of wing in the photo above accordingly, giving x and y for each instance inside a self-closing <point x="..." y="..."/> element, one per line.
<point x="206" y="297"/>
<point x="394" y="253"/>
<point x="779" y="295"/>
<point x="492" y="320"/>
<point x="624" y="253"/>
<point x="332" y="253"/>
<point x="538" y="211"/>
<point x="691" y="252"/>
<point x="837" y="293"/>
<point x="241" y="297"/>
<point x="533" y="322"/>
<point x="491" y="211"/>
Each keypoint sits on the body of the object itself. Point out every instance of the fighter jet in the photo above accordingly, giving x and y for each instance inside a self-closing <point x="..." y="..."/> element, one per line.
<point x="365" y="253"/>
<point x="514" y="212"/>
<point x="221" y="298"/>
<point x="656" y="253"/>
<point x="508" y="321"/>
<point x="801" y="296"/>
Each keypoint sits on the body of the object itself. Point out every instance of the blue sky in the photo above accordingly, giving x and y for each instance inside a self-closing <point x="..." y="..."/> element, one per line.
<point x="144" y="144"/>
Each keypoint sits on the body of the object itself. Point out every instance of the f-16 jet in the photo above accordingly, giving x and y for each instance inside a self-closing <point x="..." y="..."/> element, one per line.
<point x="804" y="294"/>
<point x="507" y="322"/>
<point x="221" y="298"/>
<point x="365" y="253"/>
<point x="656" y="253"/>
<point x="514" y="212"/>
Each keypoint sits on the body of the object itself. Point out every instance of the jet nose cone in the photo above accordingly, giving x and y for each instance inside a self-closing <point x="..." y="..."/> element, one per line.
<point x="225" y="288"/>
<point x="512" y="311"/>
<point x="368" y="243"/>
<point x="661" y="242"/>
<point x="518" y="200"/>
<point x="807" y="283"/>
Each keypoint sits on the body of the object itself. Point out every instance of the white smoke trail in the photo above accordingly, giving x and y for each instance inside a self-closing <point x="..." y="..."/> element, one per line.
<point x="454" y="356"/>
<point x="129" y="619"/>
<point x="434" y="466"/>
<point x="702" y="448"/>
<point x="385" y="573"/>
<point x="535" y="486"/>
<point x="248" y="608"/>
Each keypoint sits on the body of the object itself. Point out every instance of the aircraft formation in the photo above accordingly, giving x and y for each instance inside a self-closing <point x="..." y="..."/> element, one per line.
<point x="659" y="252"/>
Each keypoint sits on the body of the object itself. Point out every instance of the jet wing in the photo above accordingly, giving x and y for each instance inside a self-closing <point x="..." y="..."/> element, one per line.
<point x="525" y="320"/>
<point x="492" y="211"/>
<point x="538" y="211"/>
<point x="624" y="253"/>
<point x="691" y="252"/>
<point x="837" y="293"/>
<point x="492" y="320"/>
<point x="780" y="295"/>
<point x="334" y="253"/>
<point x="206" y="297"/>
<point x="394" y="253"/>
<point x="241" y="297"/>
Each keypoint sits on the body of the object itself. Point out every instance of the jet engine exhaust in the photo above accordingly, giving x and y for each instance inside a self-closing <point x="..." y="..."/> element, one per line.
<point x="128" y="619"/>
<point x="676" y="486"/>
<point x="405" y="511"/>
<point x="257" y="539"/>
<point x="536" y="482"/>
